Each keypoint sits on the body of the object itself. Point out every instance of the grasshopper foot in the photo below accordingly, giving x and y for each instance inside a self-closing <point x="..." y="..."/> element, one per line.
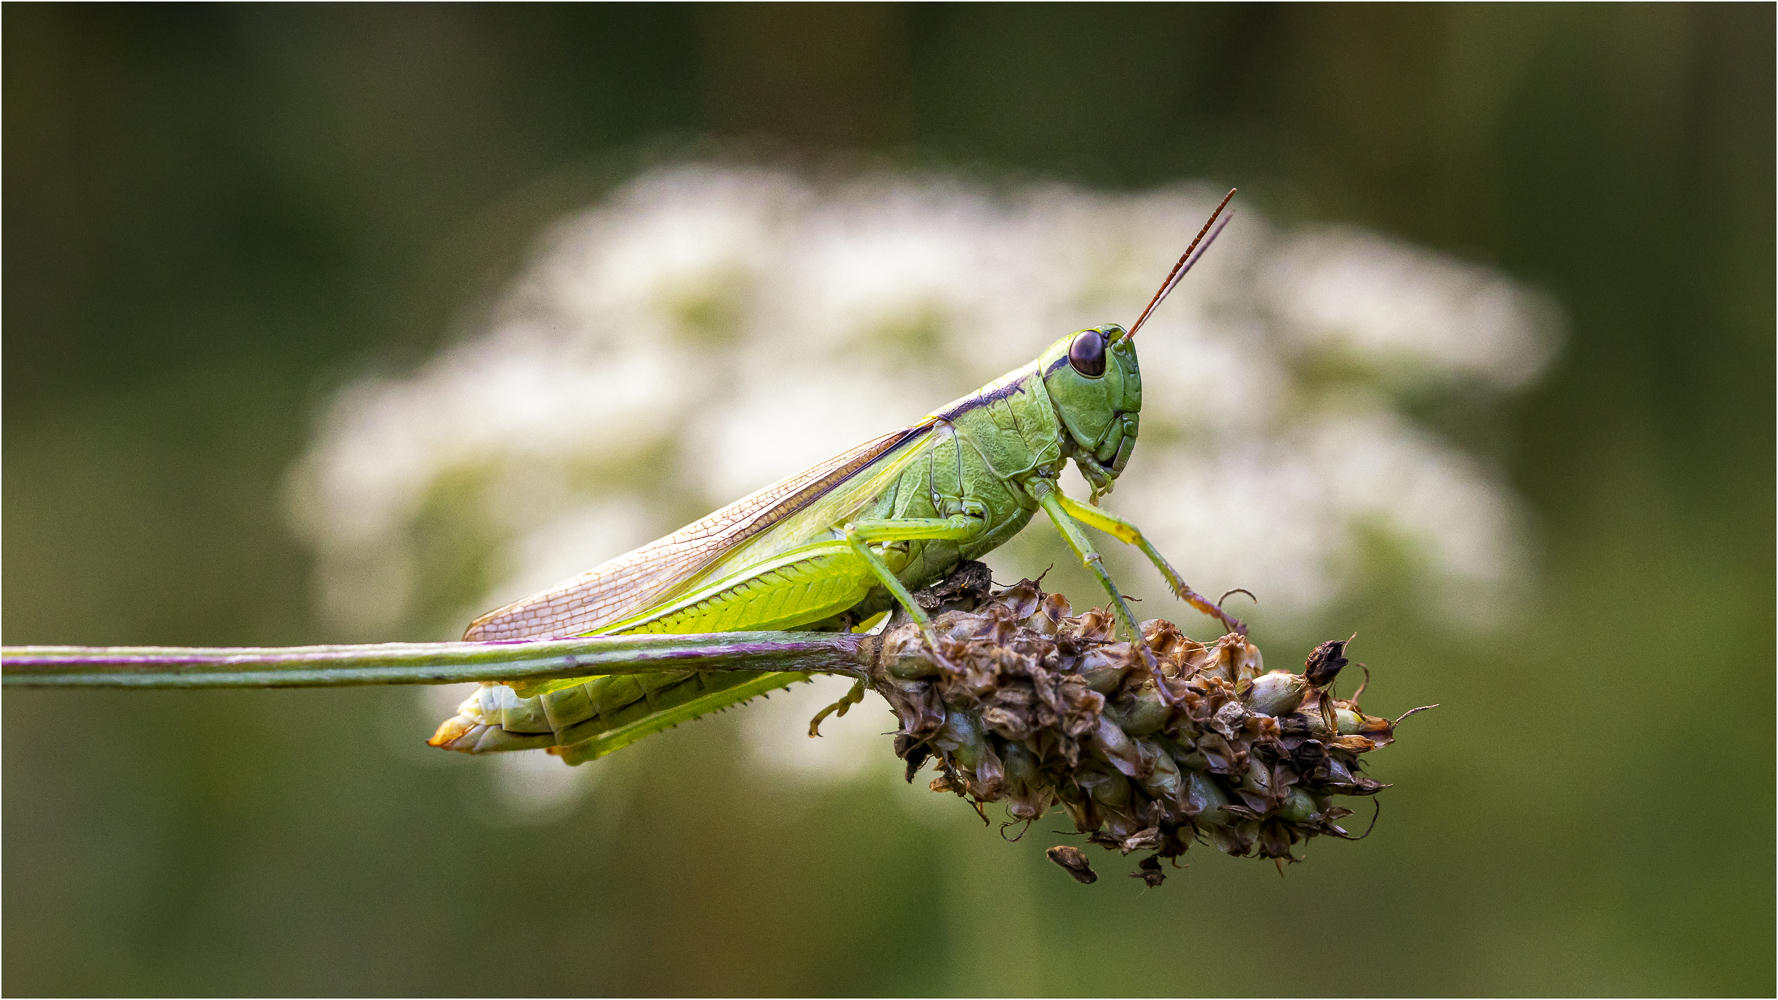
<point x="1214" y="609"/>
<point x="1161" y="690"/>
<point x="852" y="697"/>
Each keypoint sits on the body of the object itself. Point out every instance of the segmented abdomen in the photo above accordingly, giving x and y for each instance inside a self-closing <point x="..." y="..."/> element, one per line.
<point x="611" y="711"/>
<point x="615" y="710"/>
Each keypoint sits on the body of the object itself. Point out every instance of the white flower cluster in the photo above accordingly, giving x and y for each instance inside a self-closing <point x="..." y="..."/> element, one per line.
<point x="706" y="330"/>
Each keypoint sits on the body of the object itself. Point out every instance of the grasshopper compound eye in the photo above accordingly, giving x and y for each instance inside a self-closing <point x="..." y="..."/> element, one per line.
<point x="1087" y="353"/>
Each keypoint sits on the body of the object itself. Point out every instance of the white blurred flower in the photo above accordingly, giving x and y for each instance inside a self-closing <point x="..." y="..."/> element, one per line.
<point x="1402" y="308"/>
<point x="706" y="330"/>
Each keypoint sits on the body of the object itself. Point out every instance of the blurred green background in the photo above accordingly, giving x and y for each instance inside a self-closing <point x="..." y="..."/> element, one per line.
<point x="215" y="216"/>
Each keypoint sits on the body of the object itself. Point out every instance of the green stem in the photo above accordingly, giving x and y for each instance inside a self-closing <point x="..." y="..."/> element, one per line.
<point x="427" y="662"/>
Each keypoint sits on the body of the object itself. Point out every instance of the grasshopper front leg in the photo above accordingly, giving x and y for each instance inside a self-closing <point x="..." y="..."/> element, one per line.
<point x="1054" y="503"/>
<point x="1049" y="496"/>
<point x="1129" y="534"/>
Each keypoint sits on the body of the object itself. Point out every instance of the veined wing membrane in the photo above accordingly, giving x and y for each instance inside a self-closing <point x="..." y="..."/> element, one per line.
<point x="627" y="585"/>
<point x="797" y="571"/>
<point x="842" y="503"/>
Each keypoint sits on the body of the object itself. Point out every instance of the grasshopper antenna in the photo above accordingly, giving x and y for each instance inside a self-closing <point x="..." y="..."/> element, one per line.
<point x="1186" y="260"/>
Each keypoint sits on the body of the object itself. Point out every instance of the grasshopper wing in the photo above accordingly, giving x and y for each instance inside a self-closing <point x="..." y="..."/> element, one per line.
<point x="631" y="583"/>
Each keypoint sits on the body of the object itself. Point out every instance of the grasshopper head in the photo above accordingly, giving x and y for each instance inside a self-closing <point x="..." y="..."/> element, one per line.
<point x="1096" y="386"/>
<point x="1097" y="389"/>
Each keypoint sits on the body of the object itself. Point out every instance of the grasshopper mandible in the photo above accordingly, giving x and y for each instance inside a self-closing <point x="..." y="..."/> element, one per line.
<point x="839" y="544"/>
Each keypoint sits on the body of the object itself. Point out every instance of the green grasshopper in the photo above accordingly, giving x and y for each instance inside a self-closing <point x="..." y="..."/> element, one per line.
<point x="839" y="545"/>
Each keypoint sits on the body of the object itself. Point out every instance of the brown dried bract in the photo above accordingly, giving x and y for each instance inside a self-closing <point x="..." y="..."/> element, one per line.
<point x="1149" y="871"/>
<point x="1325" y="661"/>
<point x="1074" y="863"/>
<point x="1035" y="707"/>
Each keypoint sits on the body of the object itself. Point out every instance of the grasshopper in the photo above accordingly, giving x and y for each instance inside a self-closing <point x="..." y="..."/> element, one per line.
<point x="841" y="544"/>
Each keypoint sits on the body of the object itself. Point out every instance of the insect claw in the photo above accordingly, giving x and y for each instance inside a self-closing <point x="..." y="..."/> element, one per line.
<point x="1214" y="610"/>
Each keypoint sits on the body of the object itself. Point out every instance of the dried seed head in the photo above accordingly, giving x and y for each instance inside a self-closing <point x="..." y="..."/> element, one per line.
<point x="1033" y="707"/>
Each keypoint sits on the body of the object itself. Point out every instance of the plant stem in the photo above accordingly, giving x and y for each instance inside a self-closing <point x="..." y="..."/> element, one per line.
<point x="427" y="662"/>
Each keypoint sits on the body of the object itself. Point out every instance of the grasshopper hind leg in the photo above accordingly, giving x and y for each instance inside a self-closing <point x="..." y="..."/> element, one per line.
<point x="1055" y="503"/>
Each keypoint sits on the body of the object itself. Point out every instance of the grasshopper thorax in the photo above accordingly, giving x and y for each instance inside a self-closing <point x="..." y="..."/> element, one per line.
<point x="1092" y="379"/>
